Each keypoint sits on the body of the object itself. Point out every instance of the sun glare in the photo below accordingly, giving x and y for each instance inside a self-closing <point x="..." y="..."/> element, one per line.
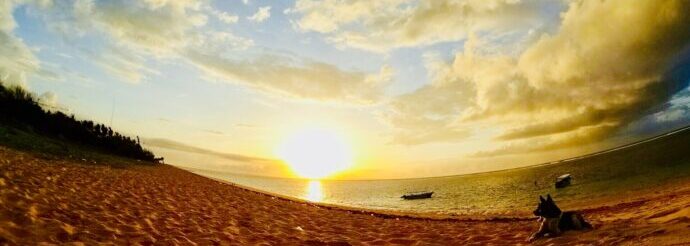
<point x="314" y="191"/>
<point x="315" y="153"/>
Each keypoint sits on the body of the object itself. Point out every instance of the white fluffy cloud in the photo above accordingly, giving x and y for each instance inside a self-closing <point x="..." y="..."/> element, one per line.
<point x="605" y="67"/>
<point x="388" y="24"/>
<point x="16" y="58"/>
<point x="133" y="31"/>
<point x="158" y="26"/>
<point x="226" y="17"/>
<point x="261" y="15"/>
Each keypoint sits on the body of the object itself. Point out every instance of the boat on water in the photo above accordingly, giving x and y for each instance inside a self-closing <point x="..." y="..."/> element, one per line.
<point x="417" y="195"/>
<point x="563" y="180"/>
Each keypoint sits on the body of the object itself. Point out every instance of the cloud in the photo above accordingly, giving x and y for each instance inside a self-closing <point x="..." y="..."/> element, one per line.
<point x="672" y="115"/>
<point x="389" y="24"/>
<point x="588" y="117"/>
<point x="220" y="42"/>
<point x="16" y="58"/>
<point x="142" y="31"/>
<point x="226" y="17"/>
<point x="158" y="26"/>
<point x="122" y="63"/>
<point x="7" y="22"/>
<point x="297" y="78"/>
<point x="48" y="74"/>
<point x="429" y="114"/>
<point x="214" y="132"/>
<point x="48" y="99"/>
<point x="678" y="109"/>
<point x="173" y="145"/>
<point x="420" y="136"/>
<point x="244" y="125"/>
<point x="132" y="31"/>
<point x="261" y="15"/>
<point x="608" y="64"/>
<point x="581" y="136"/>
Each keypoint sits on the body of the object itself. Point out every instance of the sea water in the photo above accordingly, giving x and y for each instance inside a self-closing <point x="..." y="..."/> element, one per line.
<point x="484" y="193"/>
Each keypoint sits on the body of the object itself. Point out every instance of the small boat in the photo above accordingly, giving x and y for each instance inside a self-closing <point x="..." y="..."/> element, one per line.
<point x="563" y="181"/>
<point x="417" y="195"/>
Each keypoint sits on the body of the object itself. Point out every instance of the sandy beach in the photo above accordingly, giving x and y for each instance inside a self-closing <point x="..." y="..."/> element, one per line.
<point x="65" y="201"/>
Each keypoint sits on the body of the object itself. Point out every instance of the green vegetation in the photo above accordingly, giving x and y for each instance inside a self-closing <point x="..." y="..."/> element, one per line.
<point x="25" y="125"/>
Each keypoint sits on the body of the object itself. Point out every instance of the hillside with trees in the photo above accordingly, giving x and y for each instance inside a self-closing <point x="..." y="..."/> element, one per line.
<point x="21" y="110"/>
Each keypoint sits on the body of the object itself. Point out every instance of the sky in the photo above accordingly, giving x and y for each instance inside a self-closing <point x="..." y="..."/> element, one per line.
<point x="416" y="88"/>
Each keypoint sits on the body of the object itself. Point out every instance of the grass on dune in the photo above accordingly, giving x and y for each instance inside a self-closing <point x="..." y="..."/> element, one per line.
<point x="51" y="148"/>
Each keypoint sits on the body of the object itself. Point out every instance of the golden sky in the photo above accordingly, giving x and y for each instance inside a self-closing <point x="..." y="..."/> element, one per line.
<point x="411" y="88"/>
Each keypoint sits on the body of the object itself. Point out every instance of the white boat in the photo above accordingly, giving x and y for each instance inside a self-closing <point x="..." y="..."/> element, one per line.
<point x="563" y="180"/>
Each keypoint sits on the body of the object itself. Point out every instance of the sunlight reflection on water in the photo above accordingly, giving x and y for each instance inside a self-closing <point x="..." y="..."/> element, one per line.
<point x="313" y="191"/>
<point x="497" y="192"/>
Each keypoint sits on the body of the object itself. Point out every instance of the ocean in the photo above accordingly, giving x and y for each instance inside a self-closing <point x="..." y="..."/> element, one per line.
<point x="609" y="174"/>
<point x="488" y="193"/>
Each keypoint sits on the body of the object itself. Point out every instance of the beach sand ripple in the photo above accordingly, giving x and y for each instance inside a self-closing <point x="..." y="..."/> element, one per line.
<point x="65" y="201"/>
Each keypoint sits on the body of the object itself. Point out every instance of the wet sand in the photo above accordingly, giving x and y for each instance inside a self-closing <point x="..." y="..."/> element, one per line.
<point x="66" y="201"/>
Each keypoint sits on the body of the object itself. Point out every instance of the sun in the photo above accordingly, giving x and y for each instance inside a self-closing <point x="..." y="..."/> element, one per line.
<point x="315" y="153"/>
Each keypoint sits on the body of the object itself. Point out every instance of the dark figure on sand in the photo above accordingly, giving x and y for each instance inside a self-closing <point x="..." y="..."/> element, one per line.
<point x="554" y="221"/>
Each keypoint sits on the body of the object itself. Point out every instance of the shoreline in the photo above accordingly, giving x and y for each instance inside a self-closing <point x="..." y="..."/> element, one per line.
<point x="593" y="204"/>
<point x="60" y="201"/>
<point x="381" y="213"/>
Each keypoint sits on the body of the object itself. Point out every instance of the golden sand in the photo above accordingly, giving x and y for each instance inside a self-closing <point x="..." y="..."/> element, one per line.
<point x="64" y="201"/>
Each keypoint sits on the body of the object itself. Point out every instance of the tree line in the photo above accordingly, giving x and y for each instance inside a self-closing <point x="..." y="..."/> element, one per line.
<point x="21" y="109"/>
